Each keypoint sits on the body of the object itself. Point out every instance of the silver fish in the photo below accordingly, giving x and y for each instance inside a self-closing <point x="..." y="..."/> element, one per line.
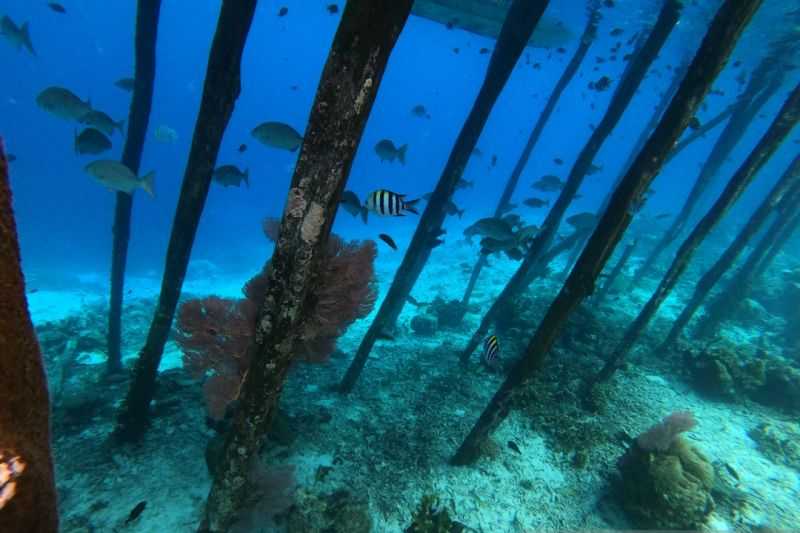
<point x="63" y="103"/>
<point x="278" y="135"/>
<point x="19" y="36"/>
<point x="117" y="176"/>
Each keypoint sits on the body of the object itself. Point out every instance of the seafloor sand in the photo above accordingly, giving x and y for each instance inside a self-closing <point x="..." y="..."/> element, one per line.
<point x="390" y="440"/>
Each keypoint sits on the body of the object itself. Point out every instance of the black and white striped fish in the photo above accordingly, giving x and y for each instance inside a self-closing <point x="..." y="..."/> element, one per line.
<point x="491" y="347"/>
<point x="390" y="203"/>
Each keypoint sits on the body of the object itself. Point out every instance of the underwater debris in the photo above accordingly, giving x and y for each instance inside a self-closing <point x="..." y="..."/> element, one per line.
<point x="387" y="151"/>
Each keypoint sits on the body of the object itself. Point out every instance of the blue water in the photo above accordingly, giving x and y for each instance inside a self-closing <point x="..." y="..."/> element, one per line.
<point x="64" y="217"/>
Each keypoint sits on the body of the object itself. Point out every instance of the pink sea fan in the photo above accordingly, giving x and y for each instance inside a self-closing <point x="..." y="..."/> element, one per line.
<point x="660" y="436"/>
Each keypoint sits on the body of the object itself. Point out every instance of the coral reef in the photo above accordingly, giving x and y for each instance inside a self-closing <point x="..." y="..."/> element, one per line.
<point x="339" y="512"/>
<point x="779" y="442"/>
<point x="424" y="324"/>
<point x="430" y="517"/>
<point x="448" y="313"/>
<point x="669" y="489"/>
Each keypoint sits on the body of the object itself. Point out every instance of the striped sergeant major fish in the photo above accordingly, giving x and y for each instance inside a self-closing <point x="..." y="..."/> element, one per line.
<point x="491" y="347"/>
<point x="390" y="203"/>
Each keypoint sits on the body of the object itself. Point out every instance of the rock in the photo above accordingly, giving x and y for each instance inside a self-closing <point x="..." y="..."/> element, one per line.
<point x="449" y="314"/>
<point x="778" y="442"/>
<point x="424" y="325"/>
<point x="431" y="517"/>
<point x="667" y="490"/>
<point x="339" y="512"/>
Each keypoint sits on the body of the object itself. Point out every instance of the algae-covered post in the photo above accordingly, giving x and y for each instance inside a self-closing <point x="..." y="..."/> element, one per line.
<point x="220" y="90"/>
<point x="770" y="141"/>
<point x="787" y="184"/>
<point x="717" y="45"/>
<point x="737" y="288"/>
<point x="619" y="102"/>
<point x="588" y="36"/>
<point x="615" y="271"/>
<point x="709" y="125"/>
<point x="764" y="82"/>
<point x="28" y="495"/>
<point x="349" y="84"/>
<point x="522" y="17"/>
<point x="147" y="13"/>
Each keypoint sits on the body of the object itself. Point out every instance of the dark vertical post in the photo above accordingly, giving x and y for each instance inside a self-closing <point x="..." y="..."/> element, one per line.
<point x="738" y="287"/>
<point x="714" y="51"/>
<point x="764" y="82"/>
<point x="522" y="17"/>
<point x="770" y="141"/>
<point x="635" y="73"/>
<point x="147" y="13"/>
<point x="360" y="51"/>
<point x="220" y="91"/>
<point x="701" y="131"/>
<point x="587" y="38"/>
<point x="787" y="184"/>
<point x="24" y="403"/>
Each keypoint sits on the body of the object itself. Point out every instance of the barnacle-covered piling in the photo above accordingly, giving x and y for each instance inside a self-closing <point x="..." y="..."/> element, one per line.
<point x="764" y="82"/>
<point x="788" y="184"/>
<point x="714" y="51"/>
<point x="738" y="287"/>
<point x="27" y="489"/>
<point x="349" y="84"/>
<point x="147" y="13"/>
<point x="619" y="102"/>
<point x="588" y="36"/>
<point x="220" y="90"/>
<point x="770" y="141"/>
<point x="522" y="17"/>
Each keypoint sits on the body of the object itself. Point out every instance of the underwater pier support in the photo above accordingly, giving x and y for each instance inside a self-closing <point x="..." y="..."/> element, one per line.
<point x="615" y="271"/>
<point x="635" y="73"/>
<point x="520" y="21"/>
<point x="586" y="40"/>
<point x="737" y="288"/>
<point x="28" y="501"/>
<point x="776" y="133"/>
<point x="714" y="51"/>
<point x="349" y="84"/>
<point x="787" y="186"/>
<point x="147" y="15"/>
<point x="764" y="82"/>
<point x="220" y="91"/>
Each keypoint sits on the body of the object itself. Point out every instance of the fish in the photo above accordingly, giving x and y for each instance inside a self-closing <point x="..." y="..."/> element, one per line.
<point x="91" y="141"/>
<point x="593" y="169"/>
<point x="494" y="159"/>
<point x="663" y="216"/>
<point x="477" y="152"/>
<point x="450" y="207"/>
<point x="464" y="184"/>
<point x="513" y="446"/>
<point x="497" y="228"/>
<point x="536" y="202"/>
<point x="242" y="148"/>
<point x="126" y="84"/>
<point x="58" y="8"/>
<point x="332" y="9"/>
<point x="456" y="50"/>
<point x="490" y="245"/>
<point x="582" y="220"/>
<point x="388" y="203"/>
<point x="386" y="150"/>
<point x="165" y="134"/>
<point x="388" y="240"/>
<point x="513" y="219"/>
<point x="483" y="51"/>
<point x="352" y="205"/>
<point x="694" y="123"/>
<point x="558" y="161"/>
<point x="135" y="512"/>
<point x="283" y="11"/>
<point x="420" y="111"/>
<point x="278" y="135"/>
<point x="117" y="176"/>
<point x="231" y="176"/>
<point x="600" y="85"/>
<point x="616" y="31"/>
<point x="103" y="122"/>
<point x="491" y="350"/>
<point x="63" y="103"/>
<point x="548" y="183"/>
<point x="19" y="36"/>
